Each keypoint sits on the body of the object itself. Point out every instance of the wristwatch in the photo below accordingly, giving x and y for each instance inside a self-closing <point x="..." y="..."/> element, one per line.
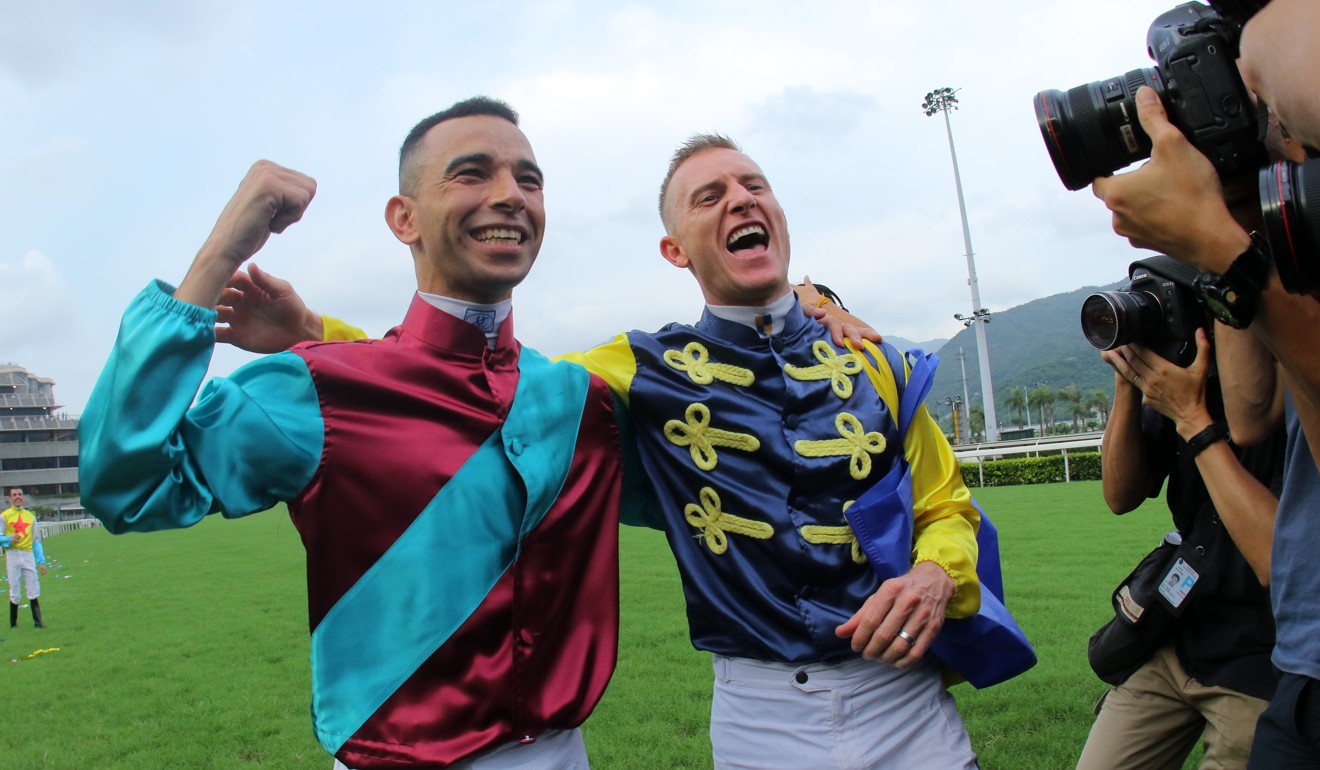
<point x="1231" y="297"/>
<point x="1197" y="444"/>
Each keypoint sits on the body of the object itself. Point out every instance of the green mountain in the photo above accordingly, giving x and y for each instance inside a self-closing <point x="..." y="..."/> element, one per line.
<point x="1038" y="344"/>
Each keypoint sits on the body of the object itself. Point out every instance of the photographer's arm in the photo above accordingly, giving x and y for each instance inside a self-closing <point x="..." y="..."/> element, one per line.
<point x="1250" y="383"/>
<point x="1124" y="470"/>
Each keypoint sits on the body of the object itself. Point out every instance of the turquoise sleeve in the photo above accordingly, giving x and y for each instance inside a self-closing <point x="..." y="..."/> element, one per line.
<point x="147" y="461"/>
<point x="38" y="553"/>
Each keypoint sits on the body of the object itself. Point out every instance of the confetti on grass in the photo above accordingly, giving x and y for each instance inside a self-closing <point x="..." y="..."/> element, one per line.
<point x="35" y="653"/>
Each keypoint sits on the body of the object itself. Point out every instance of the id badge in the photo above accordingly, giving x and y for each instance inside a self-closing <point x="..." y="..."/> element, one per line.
<point x="1178" y="583"/>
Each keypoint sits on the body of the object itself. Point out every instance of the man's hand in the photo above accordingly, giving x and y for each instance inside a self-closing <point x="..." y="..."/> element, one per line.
<point x="1173" y="391"/>
<point x="42" y="568"/>
<point x="268" y="200"/>
<point x="263" y="314"/>
<point x="841" y="324"/>
<point x="913" y="604"/>
<point x="1174" y="203"/>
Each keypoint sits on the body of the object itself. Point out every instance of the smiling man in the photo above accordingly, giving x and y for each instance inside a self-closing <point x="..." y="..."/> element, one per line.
<point x="453" y="489"/>
<point x="758" y="434"/>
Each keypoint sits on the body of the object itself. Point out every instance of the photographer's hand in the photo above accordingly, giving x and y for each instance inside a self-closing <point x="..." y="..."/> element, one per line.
<point x="1174" y="203"/>
<point x="1173" y="391"/>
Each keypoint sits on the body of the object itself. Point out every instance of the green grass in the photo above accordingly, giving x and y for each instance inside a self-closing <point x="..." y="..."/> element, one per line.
<point x="189" y="649"/>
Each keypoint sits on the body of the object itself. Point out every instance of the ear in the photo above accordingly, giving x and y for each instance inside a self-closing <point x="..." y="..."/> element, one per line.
<point x="401" y="220"/>
<point x="672" y="251"/>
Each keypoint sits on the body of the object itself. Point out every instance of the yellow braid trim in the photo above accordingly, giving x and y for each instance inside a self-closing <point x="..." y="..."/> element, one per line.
<point x="716" y="525"/>
<point x="701" y="439"/>
<point x="695" y="362"/>
<point x="833" y="367"/>
<point x="855" y="444"/>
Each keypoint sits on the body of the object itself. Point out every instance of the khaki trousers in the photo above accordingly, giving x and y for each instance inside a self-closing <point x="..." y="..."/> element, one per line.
<point x="1152" y="721"/>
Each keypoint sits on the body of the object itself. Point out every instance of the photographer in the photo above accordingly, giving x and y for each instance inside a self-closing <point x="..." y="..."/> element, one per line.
<point x="1175" y="203"/>
<point x="1210" y="673"/>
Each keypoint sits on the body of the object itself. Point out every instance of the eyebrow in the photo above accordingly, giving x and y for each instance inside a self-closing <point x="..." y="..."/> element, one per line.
<point x="485" y="159"/>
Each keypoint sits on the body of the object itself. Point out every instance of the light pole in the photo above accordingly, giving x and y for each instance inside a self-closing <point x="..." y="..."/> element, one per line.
<point x="942" y="100"/>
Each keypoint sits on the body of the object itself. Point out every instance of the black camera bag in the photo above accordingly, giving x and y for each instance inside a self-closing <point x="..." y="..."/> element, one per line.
<point x="1143" y="618"/>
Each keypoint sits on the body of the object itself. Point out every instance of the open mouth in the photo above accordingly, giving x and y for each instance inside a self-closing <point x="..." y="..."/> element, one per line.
<point x="748" y="237"/>
<point x="498" y="236"/>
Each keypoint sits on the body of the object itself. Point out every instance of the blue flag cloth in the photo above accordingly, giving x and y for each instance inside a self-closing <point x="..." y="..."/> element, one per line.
<point x="986" y="648"/>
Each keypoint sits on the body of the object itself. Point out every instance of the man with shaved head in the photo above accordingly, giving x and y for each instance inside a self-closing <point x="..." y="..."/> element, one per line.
<point x="453" y="489"/>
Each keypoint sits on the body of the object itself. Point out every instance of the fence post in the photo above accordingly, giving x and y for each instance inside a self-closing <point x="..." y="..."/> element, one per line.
<point x="1067" y="476"/>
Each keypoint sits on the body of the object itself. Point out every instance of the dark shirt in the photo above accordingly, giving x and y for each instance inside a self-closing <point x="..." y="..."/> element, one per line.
<point x="1225" y="633"/>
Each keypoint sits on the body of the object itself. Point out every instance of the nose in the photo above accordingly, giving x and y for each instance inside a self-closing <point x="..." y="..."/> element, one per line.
<point x="506" y="194"/>
<point x="741" y="199"/>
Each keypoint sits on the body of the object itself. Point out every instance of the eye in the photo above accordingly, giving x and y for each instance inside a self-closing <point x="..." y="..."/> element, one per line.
<point x="470" y="172"/>
<point x="531" y="181"/>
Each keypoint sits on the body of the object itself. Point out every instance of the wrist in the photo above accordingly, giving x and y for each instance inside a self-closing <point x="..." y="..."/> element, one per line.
<point x="313" y="326"/>
<point x="1206" y="438"/>
<point x="1190" y="427"/>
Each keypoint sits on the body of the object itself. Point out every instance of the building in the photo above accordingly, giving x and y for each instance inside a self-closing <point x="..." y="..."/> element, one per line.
<point x="38" y="444"/>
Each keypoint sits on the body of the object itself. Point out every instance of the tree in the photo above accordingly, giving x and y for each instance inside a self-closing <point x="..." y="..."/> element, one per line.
<point x="1015" y="399"/>
<point x="1043" y="396"/>
<point x="977" y="417"/>
<point x="1077" y="408"/>
<point x="1100" y="402"/>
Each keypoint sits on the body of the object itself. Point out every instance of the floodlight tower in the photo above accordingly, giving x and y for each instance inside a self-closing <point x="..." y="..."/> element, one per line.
<point x="942" y="100"/>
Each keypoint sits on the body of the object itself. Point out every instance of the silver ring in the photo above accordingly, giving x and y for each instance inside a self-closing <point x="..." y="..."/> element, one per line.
<point x="909" y="638"/>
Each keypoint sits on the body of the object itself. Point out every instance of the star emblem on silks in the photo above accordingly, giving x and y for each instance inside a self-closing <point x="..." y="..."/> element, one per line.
<point x="21" y="527"/>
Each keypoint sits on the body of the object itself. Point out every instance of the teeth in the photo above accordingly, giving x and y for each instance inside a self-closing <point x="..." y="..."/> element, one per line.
<point x="497" y="234"/>
<point x="744" y="232"/>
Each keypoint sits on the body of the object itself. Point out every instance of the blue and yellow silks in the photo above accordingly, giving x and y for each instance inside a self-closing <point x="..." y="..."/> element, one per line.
<point x="988" y="647"/>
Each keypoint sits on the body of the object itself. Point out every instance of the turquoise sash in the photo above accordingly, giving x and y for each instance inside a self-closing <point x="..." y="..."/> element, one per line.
<point x="441" y="569"/>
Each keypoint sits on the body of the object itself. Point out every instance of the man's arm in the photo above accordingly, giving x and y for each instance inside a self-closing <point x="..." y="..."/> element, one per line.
<point x="1125" y="473"/>
<point x="1250" y="383"/>
<point x="148" y="461"/>
<point x="268" y="200"/>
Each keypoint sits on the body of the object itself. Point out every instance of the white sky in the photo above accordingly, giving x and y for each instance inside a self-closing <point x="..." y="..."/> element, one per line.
<point x="124" y="131"/>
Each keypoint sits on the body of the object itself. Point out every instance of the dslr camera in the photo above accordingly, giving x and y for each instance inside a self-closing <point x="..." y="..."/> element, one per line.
<point x="1158" y="309"/>
<point x="1092" y="130"/>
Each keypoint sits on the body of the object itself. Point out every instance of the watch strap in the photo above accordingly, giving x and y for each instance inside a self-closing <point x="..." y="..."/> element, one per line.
<point x="1217" y="431"/>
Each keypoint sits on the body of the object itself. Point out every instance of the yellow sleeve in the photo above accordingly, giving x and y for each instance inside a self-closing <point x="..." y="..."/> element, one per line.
<point x="944" y="521"/>
<point x="335" y="329"/>
<point x="613" y="362"/>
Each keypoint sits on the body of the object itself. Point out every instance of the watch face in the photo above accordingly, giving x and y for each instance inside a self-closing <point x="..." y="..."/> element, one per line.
<point x="1217" y="307"/>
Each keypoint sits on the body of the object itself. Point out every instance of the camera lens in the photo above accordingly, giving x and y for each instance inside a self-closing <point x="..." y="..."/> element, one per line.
<point x="1092" y="130"/>
<point x="1113" y="318"/>
<point x="1292" y="221"/>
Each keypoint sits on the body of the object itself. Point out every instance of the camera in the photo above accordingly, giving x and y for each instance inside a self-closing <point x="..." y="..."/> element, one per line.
<point x="1158" y="309"/>
<point x="1292" y="224"/>
<point x="1092" y="130"/>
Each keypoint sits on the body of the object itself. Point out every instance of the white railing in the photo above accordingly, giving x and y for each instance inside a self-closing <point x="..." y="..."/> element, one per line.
<point x="1029" y="446"/>
<point x="49" y="528"/>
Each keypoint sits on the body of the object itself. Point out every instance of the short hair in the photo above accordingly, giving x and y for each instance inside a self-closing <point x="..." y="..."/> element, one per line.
<point x="694" y="144"/>
<point x="471" y="107"/>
